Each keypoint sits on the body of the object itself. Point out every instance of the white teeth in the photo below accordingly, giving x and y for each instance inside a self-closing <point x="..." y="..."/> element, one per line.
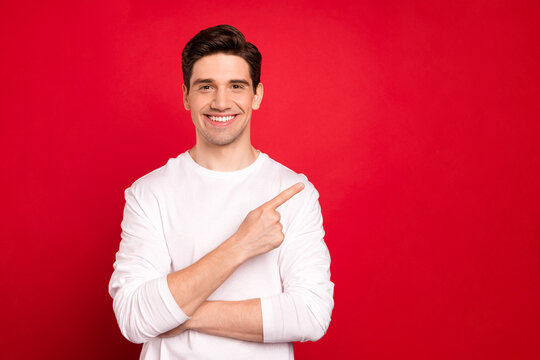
<point x="221" y="118"/>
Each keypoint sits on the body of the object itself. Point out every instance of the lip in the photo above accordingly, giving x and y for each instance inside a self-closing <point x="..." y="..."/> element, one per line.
<point x="220" y="124"/>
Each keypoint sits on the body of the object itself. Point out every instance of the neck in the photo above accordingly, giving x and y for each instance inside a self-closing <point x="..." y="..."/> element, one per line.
<point x="229" y="157"/>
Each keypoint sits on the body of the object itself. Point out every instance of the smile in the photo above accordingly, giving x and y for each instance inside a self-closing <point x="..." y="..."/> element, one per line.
<point x="221" y="118"/>
<point x="219" y="121"/>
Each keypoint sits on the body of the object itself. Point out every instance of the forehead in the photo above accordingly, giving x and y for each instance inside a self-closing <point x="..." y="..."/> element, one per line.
<point x="221" y="68"/>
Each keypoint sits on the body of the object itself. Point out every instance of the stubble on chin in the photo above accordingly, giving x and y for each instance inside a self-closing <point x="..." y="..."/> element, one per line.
<point x="222" y="139"/>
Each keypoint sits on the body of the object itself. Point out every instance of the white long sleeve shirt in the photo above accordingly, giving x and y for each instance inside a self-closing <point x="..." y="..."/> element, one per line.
<point x="178" y="213"/>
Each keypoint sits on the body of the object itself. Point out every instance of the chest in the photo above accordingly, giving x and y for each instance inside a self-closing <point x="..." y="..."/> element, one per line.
<point x="196" y="220"/>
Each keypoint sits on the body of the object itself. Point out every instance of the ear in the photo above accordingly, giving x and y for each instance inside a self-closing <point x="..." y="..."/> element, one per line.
<point x="185" y="97"/>
<point x="258" y="97"/>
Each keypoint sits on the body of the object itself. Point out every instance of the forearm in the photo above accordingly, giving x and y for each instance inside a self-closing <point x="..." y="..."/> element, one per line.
<point x="192" y="285"/>
<point x="240" y="320"/>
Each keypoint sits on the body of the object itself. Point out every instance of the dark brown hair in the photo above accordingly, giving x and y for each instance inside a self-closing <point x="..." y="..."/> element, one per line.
<point x="221" y="39"/>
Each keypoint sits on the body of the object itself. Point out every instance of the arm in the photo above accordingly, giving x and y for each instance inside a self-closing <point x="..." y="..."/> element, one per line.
<point x="194" y="284"/>
<point x="147" y="301"/>
<point x="302" y="312"/>
<point x="142" y="302"/>
<point x="240" y="320"/>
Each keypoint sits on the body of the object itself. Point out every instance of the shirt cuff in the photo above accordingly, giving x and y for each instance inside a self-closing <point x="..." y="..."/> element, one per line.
<point x="169" y="302"/>
<point x="271" y="318"/>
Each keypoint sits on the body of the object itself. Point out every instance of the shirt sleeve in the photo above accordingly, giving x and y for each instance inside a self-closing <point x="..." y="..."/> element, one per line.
<point x="302" y="311"/>
<point x="142" y="302"/>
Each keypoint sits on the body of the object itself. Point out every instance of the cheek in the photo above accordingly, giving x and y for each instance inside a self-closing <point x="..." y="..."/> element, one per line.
<point x="246" y="102"/>
<point x="195" y="103"/>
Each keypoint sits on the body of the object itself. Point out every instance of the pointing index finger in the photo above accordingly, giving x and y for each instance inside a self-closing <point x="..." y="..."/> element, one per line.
<point x="285" y="195"/>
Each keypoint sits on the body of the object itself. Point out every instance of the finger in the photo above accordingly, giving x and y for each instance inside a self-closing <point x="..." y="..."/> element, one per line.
<point x="285" y="195"/>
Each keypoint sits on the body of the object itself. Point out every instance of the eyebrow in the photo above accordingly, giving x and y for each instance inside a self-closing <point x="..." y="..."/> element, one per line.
<point x="244" y="82"/>
<point x="211" y="81"/>
<point x="202" y="81"/>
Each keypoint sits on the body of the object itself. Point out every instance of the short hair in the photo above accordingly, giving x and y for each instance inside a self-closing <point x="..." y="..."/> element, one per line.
<point x="221" y="39"/>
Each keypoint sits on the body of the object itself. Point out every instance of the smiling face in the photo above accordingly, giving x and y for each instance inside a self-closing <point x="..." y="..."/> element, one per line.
<point x="221" y="99"/>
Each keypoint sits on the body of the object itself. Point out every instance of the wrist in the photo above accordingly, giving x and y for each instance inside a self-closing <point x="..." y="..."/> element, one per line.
<point x="235" y="252"/>
<point x="188" y="324"/>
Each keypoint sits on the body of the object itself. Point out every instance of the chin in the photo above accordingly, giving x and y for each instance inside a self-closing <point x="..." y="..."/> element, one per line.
<point x="220" y="141"/>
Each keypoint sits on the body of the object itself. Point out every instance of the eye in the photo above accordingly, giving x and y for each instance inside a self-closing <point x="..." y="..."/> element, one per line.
<point x="204" y="87"/>
<point x="237" y="86"/>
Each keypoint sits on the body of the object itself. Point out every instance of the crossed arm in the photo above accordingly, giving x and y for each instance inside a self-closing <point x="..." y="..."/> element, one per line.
<point x="260" y="232"/>
<point x="240" y="320"/>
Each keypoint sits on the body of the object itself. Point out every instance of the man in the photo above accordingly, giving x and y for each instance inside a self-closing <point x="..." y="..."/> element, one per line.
<point x="222" y="253"/>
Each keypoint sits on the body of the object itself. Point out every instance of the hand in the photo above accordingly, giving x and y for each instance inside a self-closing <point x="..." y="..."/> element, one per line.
<point x="261" y="230"/>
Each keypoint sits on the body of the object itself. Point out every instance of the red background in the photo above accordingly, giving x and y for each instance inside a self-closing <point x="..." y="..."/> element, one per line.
<point x="417" y="122"/>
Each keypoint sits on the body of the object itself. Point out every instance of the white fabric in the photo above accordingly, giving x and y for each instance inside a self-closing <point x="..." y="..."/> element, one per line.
<point x="180" y="212"/>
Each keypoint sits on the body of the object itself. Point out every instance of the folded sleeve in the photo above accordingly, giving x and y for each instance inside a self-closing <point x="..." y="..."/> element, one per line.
<point x="303" y="310"/>
<point x="142" y="302"/>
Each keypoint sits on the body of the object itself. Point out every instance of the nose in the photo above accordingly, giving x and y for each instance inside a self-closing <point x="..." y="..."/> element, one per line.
<point x="221" y="100"/>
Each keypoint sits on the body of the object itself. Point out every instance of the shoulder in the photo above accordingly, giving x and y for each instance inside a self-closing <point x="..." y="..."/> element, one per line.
<point x="288" y="177"/>
<point x="302" y="212"/>
<point x="157" y="181"/>
<point x="305" y="200"/>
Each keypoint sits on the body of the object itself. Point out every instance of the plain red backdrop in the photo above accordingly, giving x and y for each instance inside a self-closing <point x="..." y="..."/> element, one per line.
<point x="417" y="122"/>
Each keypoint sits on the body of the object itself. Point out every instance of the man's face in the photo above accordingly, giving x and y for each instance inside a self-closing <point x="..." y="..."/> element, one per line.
<point x="221" y="99"/>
